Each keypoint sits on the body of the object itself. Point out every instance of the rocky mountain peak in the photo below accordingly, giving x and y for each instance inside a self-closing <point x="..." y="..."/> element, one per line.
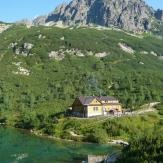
<point x="131" y="15"/>
<point x="159" y="14"/>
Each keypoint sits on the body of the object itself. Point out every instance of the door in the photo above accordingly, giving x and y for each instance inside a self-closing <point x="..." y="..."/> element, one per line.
<point x="85" y="114"/>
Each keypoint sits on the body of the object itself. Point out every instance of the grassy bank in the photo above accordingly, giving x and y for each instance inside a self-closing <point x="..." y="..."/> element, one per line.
<point x="96" y="130"/>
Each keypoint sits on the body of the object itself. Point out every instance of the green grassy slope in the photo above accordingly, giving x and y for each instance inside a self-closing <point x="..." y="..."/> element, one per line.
<point x="52" y="85"/>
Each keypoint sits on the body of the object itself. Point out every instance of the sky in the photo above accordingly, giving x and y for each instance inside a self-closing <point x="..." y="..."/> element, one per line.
<point x="13" y="10"/>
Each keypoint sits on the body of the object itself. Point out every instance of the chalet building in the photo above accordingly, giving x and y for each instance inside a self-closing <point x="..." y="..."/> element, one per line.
<point x="90" y="106"/>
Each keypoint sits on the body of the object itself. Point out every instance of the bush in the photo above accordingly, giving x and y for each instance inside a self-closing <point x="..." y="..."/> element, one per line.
<point x="144" y="148"/>
<point x="28" y="120"/>
<point x="66" y="135"/>
<point x="160" y="108"/>
<point x="161" y="122"/>
<point x="160" y="112"/>
<point x="49" y="129"/>
<point x="97" y="136"/>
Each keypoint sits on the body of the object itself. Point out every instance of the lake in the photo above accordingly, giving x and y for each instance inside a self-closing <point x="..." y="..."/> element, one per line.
<point x="21" y="147"/>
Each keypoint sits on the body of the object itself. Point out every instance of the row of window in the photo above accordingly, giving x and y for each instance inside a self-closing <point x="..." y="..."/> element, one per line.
<point x="104" y="109"/>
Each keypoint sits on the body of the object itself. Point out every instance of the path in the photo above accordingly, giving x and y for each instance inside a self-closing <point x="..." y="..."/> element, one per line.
<point x="146" y="108"/>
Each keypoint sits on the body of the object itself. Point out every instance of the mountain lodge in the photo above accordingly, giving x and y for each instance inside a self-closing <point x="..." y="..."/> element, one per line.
<point x="91" y="106"/>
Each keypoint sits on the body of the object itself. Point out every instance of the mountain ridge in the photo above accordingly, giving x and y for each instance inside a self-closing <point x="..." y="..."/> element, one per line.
<point x="130" y="15"/>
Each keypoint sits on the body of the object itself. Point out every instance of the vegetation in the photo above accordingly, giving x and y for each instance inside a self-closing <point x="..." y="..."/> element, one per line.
<point x="39" y="100"/>
<point x="97" y="130"/>
<point x="160" y="108"/>
<point x="144" y="149"/>
<point x="158" y="29"/>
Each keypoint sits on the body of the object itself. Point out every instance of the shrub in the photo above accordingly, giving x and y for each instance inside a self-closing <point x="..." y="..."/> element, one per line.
<point x="161" y="112"/>
<point x="98" y="136"/>
<point x="144" y="148"/>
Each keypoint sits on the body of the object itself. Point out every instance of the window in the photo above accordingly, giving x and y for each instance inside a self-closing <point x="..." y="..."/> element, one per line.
<point x="95" y="108"/>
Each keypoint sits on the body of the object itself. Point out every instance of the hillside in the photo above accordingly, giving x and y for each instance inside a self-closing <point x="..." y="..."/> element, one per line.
<point x="42" y="66"/>
<point x="43" y="69"/>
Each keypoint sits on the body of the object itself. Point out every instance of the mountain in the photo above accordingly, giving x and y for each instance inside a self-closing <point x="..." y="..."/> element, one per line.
<point x="39" y="20"/>
<point x="159" y="14"/>
<point x="27" y="22"/>
<point x="131" y="15"/>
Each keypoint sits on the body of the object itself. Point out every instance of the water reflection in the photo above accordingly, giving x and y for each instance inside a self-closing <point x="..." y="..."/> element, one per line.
<point x="90" y="159"/>
<point x="95" y="159"/>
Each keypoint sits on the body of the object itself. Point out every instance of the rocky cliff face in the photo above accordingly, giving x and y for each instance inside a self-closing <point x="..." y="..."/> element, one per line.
<point x="39" y="20"/>
<point x="132" y="15"/>
<point x="159" y="14"/>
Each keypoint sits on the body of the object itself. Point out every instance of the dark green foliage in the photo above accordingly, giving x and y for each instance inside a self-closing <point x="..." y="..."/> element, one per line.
<point x="158" y="29"/>
<point x="146" y="148"/>
<point x="97" y="135"/>
<point x="160" y="108"/>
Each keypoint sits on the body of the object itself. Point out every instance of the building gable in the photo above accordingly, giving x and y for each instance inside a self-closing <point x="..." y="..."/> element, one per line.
<point x="95" y="101"/>
<point x="77" y="102"/>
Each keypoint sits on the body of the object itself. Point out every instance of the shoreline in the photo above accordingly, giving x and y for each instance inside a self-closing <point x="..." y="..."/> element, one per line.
<point x="118" y="142"/>
<point x="35" y="133"/>
<point x="111" y="142"/>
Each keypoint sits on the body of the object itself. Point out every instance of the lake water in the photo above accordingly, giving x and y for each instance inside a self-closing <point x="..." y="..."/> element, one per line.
<point x="20" y="147"/>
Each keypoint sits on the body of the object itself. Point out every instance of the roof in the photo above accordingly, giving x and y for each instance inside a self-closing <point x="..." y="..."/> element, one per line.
<point x="86" y="100"/>
<point x="106" y="98"/>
